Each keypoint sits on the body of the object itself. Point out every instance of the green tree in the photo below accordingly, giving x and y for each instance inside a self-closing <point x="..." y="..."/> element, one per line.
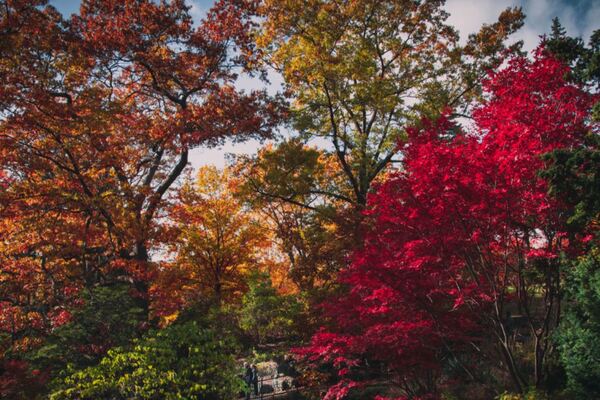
<point x="109" y="317"/>
<point x="299" y="191"/>
<point x="363" y="71"/>
<point x="584" y="61"/>
<point x="182" y="361"/>
<point x="579" y="334"/>
<point x="265" y="313"/>
<point x="574" y="177"/>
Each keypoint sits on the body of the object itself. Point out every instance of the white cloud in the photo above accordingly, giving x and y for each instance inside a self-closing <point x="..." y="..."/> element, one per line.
<point x="219" y="156"/>
<point x="468" y="15"/>
<point x="579" y="17"/>
<point x="591" y="20"/>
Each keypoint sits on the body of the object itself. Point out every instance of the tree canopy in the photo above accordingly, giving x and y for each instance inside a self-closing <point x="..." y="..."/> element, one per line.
<point x="419" y="221"/>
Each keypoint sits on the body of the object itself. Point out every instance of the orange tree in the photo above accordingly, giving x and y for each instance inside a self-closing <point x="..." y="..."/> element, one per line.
<point x="217" y="242"/>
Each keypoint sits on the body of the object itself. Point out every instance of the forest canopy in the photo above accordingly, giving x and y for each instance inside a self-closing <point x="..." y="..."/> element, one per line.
<point x="419" y="221"/>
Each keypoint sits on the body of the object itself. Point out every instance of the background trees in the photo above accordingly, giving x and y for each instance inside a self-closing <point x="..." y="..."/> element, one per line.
<point x="219" y="241"/>
<point x="267" y="314"/>
<point x="301" y="193"/>
<point x="584" y="60"/>
<point x="573" y="178"/>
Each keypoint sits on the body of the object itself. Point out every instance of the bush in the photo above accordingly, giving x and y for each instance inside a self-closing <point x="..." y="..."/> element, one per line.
<point x="579" y="334"/>
<point x="110" y="317"/>
<point x="265" y="313"/>
<point x="182" y="361"/>
<point x="532" y="394"/>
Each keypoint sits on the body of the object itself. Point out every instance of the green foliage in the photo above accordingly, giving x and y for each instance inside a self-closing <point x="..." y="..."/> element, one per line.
<point x="182" y="361"/>
<point x="579" y="334"/>
<point x="291" y="171"/>
<point x="574" y="176"/>
<point x="266" y="313"/>
<point x="585" y="61"/>
<point x="109" y="317"/>
<point x="301" y="192"/>
<point x="531" y="394"/>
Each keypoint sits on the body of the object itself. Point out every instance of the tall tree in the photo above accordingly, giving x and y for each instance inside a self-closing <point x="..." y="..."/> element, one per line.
<point x="583" y="60"/>
<point x="98" y="114"/>
<point x="360" y="72"/>
<point x="573" y="176"/>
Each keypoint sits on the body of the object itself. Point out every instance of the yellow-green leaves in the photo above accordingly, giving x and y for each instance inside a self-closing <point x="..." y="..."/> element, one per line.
<point x="361" y="71"/>
<point x="183" y="361"/>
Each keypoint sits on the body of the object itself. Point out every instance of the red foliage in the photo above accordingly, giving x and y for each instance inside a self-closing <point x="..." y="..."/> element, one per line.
<point x="17" y="380"/>
<point x="450" y="228"/>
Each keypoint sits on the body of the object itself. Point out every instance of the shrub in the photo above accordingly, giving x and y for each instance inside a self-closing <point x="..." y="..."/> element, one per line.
<point x="579" y="334"/>
<point x="182" y="361"/>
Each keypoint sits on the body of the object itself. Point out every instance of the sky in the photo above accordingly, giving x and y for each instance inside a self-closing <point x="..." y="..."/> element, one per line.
<point x="579" y="17"/>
